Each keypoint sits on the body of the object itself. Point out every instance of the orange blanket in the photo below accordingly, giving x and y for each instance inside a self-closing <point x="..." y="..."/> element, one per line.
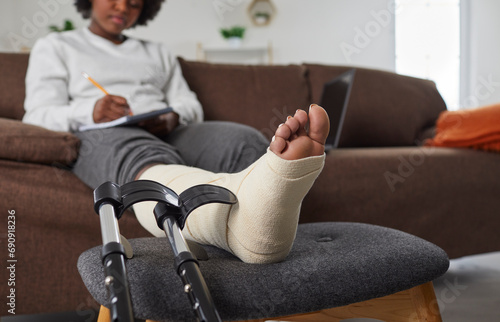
<point x="476" y="128"/>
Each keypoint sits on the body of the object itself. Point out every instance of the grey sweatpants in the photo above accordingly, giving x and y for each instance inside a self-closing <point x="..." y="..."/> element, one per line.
<point x="118" y="154"/>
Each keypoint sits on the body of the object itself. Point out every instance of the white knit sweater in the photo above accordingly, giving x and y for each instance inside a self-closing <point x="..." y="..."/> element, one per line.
<point x="59" y="98"/>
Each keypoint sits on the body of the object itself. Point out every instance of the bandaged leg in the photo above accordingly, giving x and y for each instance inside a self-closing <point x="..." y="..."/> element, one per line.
<point x="261" y="227"/>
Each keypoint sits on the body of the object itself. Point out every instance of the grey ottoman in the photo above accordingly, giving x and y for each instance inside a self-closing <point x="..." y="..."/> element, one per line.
<point x="331" y="264"/>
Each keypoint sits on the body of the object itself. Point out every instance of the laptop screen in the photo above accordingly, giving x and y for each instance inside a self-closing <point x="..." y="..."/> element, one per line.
<point x="335" y="99"/>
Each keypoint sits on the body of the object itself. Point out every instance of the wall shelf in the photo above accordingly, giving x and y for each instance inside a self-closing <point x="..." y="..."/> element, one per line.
<point x="244" y="54"/>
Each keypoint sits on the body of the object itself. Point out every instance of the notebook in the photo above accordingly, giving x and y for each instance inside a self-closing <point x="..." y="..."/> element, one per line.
<point x="126" y="120"/>
<point x="335" y="99"/>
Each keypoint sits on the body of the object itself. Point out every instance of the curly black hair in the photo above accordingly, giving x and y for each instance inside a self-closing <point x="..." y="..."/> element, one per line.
<point x="149" y="10"/>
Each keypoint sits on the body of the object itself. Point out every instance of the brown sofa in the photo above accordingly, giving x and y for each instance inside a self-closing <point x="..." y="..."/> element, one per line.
<point x="380" y="175"/>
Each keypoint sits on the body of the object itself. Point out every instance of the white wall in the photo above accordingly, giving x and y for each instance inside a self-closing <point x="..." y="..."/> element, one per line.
<point x="481" y="71"/>
<point x="6" y="21"/>
<point x="303" y="30"/>
<point x="30" y="19"/>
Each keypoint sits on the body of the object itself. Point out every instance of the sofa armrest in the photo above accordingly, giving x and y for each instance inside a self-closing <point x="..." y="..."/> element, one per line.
<point x="29" y="143"/>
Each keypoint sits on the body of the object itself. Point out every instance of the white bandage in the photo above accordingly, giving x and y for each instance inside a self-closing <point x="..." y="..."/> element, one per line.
<point x="261" y="227"/>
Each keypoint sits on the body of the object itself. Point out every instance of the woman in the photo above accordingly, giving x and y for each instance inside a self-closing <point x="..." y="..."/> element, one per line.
<point x="176" y="149"/>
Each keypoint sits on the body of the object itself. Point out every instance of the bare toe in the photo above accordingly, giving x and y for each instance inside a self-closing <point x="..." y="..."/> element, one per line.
<point x="293" y="123"/>
<point x="278" y="144"/>
<point x="301" y="117"/>
<point x="284" y="131"/>
<point x="319" y="124"/>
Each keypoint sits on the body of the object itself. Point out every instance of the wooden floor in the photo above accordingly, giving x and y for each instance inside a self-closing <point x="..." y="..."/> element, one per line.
<point x="470" y="290"/>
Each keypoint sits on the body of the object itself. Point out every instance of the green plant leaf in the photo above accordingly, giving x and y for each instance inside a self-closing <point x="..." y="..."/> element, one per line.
<point x="236" y="31"/>
<point x="67" y="25"/>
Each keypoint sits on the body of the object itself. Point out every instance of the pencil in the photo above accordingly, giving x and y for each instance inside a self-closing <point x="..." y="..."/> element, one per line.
<point x="96" y="84"/>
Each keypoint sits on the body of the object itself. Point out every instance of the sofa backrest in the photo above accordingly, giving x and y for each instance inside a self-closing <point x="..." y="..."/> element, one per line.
<point x="12" y="73"/>
<point x="259" y="96"/>
<point x="385" y="109"/>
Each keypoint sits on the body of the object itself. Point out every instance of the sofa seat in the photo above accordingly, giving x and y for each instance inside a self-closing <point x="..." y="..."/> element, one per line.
<point x="447" y="196"/>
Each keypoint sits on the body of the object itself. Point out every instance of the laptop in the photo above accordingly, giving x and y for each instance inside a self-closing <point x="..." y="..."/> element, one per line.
<point x="335" y="99"/>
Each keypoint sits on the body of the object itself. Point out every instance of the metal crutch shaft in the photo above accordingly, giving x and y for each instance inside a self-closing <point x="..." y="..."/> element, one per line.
<point x="113" y="259"/>
<point x="188" y="269"/>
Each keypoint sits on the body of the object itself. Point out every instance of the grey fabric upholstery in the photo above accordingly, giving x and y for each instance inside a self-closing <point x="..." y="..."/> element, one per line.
<point x="331" y="264"/>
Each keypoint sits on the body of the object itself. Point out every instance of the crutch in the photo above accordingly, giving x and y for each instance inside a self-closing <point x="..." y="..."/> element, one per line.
<point x="171" y="212"/>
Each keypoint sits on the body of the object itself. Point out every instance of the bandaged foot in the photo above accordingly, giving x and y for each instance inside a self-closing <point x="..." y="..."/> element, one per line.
<point x="261" y="227"/>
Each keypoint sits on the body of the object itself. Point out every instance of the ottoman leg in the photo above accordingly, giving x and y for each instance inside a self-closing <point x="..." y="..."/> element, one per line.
<point x="414" y="305"/>
<point x="104" y="314"/>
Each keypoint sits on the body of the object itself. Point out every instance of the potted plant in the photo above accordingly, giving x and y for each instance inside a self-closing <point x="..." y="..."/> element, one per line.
<point x="233" y="35"/>
<point x="68" y="25"/>
<point x="261" y="18"/>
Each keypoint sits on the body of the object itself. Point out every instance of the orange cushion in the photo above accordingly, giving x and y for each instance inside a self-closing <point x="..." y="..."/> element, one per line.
<point x="475" y="128"/>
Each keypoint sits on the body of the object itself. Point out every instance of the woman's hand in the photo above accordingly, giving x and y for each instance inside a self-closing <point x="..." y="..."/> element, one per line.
<point x="161" y="125"/>
<point x="109" y="108"/>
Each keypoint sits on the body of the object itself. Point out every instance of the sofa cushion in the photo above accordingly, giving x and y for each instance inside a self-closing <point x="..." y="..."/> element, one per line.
<point x="259" y="96"/>
<point x="29" y="143"/>
<point x="385" y="109"/>
<point x="443" y="195"/>
<point x="472" y="128"/>
<point x="13" y="71"/>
